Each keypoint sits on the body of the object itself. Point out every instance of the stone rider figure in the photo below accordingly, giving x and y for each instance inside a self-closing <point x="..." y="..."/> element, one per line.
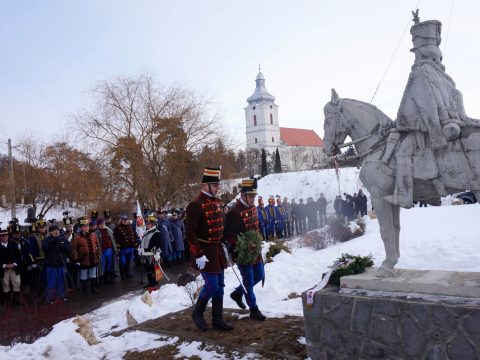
<point x="431" y="113"/>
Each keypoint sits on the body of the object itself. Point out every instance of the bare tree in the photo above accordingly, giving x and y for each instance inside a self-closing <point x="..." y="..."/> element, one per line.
<point x="148" y="136"/>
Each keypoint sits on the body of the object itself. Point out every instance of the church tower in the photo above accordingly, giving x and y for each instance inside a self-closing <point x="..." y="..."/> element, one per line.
<point x="261" y="118"/>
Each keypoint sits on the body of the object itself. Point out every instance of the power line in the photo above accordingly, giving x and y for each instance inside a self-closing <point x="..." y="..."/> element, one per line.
<point x="448" y="28"/>
<point x="393" y="55"/>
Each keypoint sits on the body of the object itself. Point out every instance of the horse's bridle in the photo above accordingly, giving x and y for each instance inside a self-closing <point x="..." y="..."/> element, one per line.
<point x="336" y="147"/>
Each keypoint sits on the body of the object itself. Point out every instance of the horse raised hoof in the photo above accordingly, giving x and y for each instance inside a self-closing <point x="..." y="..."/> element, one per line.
<point x="385" y="271"/>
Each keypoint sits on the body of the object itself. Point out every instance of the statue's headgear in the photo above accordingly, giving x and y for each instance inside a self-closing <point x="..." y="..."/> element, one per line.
<point x="426" y="32"/>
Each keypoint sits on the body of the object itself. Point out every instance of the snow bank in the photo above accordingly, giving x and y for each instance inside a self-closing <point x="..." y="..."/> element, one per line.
<point x="441" y="238"/>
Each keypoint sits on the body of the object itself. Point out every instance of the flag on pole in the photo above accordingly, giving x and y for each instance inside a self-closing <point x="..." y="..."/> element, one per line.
<point x="140" y="222"/>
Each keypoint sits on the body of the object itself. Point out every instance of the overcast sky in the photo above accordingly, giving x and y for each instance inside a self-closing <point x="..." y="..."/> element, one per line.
<point x="54" y="52"/>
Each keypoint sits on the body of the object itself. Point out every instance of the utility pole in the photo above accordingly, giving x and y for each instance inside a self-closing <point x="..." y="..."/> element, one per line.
<point x="12" y="178"/>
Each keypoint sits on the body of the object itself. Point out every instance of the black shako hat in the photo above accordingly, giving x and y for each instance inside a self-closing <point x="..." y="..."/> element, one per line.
<point x="211" y="175"/>
<point x="249" y="186"/>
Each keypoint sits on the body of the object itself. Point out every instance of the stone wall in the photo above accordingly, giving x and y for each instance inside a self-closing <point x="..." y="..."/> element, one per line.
<point x="346" y="326"/>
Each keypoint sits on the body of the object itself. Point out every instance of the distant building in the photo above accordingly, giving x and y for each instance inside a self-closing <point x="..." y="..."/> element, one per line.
<point x="299" y="149"/>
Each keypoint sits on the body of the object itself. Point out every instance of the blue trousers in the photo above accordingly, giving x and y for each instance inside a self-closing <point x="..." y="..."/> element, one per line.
<point x="214" y="284"/>
<point x="107" y="260"/>
<point x="263" y="230"/>
<point x="271" y="229"/>
<point x="251" y="275"/>
<point x="126" y="256"/>
<point x="55" y="283"/>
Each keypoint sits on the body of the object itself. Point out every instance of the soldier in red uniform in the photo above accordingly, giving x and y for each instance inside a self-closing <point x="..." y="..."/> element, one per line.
<point x="204" y="232"/>
<point x="241" y="219"/>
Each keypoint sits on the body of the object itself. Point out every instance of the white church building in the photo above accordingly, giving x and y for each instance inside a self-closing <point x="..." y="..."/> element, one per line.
<point x="299" y="149"/>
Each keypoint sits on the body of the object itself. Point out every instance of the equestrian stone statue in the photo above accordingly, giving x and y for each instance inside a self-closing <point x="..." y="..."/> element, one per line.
<point x="431" y="114"/>
<point x="431" y="150"/>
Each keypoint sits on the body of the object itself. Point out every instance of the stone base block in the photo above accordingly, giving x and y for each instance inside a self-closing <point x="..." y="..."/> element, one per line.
<point x="429" y="282"/>
<point x="351" y="326"/>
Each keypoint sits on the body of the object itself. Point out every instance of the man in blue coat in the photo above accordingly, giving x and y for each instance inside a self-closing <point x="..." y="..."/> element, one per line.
<point x="176" y="225"/>
<point x="166" y="245"/>
<point x="57" y="250"/>
<point x="262" y="218"/>
<point x="272" y="217"/>
<point x="281" y="215"/>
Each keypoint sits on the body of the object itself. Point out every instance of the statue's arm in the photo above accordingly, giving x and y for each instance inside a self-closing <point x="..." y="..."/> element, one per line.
<point x="425" y="103"/>
<point x="461" y="111"/>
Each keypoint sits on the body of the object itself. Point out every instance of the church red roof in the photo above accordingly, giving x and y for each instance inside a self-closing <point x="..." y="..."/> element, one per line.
<point x="300" y="137"/>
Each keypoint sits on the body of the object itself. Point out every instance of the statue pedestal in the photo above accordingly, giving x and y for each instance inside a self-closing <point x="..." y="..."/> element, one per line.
<point x="414" y="315"/>
<point x="428" y="282"/>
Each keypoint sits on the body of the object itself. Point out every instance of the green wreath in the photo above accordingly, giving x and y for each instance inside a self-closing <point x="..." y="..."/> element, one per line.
<point x="357" y="265"/>
<point x="249" y="247"/>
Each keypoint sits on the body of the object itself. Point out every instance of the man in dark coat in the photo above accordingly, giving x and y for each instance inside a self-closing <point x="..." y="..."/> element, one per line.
<point x="86" y="254"/>
<point x="125" y="238"/>
<point x="362" y="203"/>
<point x="242" y="218"/>
<point x="204" y="231"/>
<point x="337" y="205"/>
<point x="301" y="217"/>
<point x="322" y="209"/>
<point x="10" y="259"/>
<point x="56" y="249"/>
<point x="311" y="208"/>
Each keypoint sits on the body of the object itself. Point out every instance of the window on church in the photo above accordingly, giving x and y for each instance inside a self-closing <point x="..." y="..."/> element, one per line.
<point x="273" y="139"/>
<point x="254" y="108"/>
<point x="270" y="106"/>
<point x="271" y="119"/>
<point x="256" y="141"/>
<point x="254" y="120"/>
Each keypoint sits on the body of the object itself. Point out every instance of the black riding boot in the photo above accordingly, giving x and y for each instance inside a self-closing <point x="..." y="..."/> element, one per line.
<point x="197" y="314"/>
<point x="16" y="298"/>
<point x="217" y="313"/>
<point x="108" y="277"/>
<point x="3" y="298"/>
<point x="127" y="270"/>
<point x="84" y="286"/>
<point x="255" y="314"/>
<point x="92" y="285"/>
<point x="237" y="296"/>
<point x="122" y="272"/>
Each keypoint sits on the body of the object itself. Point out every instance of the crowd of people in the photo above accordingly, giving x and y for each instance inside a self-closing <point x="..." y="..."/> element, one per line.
<point x="281" y="219"/>
<point x="349" y="206"/>
<point x="51" y="258"/>
<point x="46" y="260"/>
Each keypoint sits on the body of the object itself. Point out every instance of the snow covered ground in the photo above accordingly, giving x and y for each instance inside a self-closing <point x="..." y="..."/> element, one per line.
<point x="55" y="212"/>
<point x="443" y="238"/>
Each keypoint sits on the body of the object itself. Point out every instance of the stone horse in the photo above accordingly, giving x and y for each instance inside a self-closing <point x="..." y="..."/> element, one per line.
<point x="458" y="165"/>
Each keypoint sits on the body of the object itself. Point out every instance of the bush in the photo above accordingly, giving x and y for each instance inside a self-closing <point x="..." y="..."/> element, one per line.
<point x="318" y="239"/>
<point x="276" y="247"/>
<point x="339" y="229"/>
<point x="360" y="229"/>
